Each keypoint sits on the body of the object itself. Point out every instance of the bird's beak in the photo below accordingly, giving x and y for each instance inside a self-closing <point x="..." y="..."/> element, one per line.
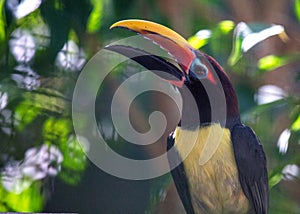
<point x="166" y="38"/>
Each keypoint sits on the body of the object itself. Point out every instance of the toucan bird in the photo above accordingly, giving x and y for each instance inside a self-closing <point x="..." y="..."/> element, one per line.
<point x="225" y="171"/>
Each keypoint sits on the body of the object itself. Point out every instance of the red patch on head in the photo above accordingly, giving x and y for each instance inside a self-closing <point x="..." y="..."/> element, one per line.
<point x="211" y="78"/>
<point x="177" y="83"/>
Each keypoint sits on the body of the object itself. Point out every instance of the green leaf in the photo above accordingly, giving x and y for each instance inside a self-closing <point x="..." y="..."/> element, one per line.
<point x="275" y="179"/>
<point x="56" y="131"/>
<point x="35" y="102"/>
<point x="2" y="21"/>
<point x="199" y="39"/>
<point x="74" y="162"/>
<point x="202" y="37"/>
<point x="59" y="132"/>
<point x="3" y="208"/>
<point x="47" y="102"/>
<point x="297" y="9"/>
<point x="29" y="200"/>
<point x="296" y="124"/>
<point x="74" y="157"/>
<point x="73" y="36"/>
<point x="272" y="62"/>
<point x="25" y="113"/>
<point x="226" y="26"/>
<point x="94" y="20"/>
<point x="236" y="52"/>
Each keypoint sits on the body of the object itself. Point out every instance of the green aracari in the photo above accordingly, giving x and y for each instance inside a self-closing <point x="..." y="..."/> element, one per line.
<point x="232" y="176"/>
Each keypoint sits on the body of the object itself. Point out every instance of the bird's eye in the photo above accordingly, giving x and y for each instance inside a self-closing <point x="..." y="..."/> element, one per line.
<point x="199" y="69"/>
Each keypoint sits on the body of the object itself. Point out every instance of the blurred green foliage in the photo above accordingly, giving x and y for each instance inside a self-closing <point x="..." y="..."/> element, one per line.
<point x="36" y="90"/>
<point x="27" y="201"/>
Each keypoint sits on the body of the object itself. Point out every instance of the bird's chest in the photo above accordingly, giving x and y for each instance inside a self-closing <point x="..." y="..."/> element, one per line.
<point x="211" y="170"/>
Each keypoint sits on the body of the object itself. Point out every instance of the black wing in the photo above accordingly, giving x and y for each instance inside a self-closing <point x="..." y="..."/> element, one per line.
<point x="251" y="163"/>
<point x="179" y="177"/>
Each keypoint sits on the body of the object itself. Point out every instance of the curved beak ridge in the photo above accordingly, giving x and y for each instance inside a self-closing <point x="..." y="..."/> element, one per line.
<point x="166" y="38"/>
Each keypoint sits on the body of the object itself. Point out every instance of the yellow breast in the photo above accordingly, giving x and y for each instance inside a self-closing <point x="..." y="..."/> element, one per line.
<point x="211" y="170"/>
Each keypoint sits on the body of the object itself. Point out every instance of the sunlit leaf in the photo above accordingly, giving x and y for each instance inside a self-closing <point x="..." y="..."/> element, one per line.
<point x="74" y="162"/>
<point x="236" y="52"/>
<point x="2" y="23"/>
<point x="3" y="208"/>
<point x="297" y="9"/>
<point x="247" y="36"/>
<point x="202" y="37"/>
<point x="25" y="113"/>
<point x="94" y="20"/>
<point x="56" y="131"/>
<point x="296" y="124"/>
<point x="74" y="157"/>
<point x="30" y="200"/>
<point x="226" y="26"/>
<point x="275" y="179"/>
<point x="73" y="36"/>
<point x="199" y="39"/>
<point x="220" y="43"/>
<point x="272" y="62"/>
